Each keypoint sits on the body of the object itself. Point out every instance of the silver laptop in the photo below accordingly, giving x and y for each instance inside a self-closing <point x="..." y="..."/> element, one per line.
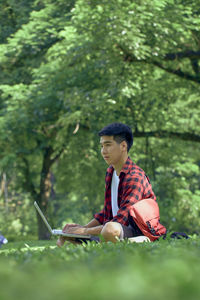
<point x="58" y="231"/>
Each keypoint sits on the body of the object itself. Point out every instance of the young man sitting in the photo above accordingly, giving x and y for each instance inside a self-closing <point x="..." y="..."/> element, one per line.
<point x="126" y="184"/>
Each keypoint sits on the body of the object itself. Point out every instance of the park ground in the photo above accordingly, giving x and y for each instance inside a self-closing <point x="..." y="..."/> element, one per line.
<point x="166" y="269"/>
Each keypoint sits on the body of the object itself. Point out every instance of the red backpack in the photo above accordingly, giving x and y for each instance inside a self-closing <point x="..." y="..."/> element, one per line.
<point x="146" y="215"/>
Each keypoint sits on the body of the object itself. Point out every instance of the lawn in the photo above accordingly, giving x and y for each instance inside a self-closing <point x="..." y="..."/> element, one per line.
<point x="167" y="269"/>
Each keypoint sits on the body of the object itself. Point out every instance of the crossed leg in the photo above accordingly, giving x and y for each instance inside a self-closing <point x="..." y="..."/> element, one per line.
<point x="111" y="232"/>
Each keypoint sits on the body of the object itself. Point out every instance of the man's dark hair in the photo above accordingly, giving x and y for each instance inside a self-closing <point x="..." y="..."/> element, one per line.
<point x="120" y="133"/>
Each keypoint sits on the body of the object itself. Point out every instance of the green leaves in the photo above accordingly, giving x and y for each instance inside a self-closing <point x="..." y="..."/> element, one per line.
<point x="77" y="64"/>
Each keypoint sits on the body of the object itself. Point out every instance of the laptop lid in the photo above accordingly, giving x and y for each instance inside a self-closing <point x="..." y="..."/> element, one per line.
<point x="57" y="231"/>
<point x="43" y="217"/>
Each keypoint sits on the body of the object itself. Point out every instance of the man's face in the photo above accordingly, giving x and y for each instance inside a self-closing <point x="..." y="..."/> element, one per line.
<point x="111" y="151"/>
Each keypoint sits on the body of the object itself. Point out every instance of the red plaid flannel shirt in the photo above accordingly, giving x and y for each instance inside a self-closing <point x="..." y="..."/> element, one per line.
<point x="134" y="185"/>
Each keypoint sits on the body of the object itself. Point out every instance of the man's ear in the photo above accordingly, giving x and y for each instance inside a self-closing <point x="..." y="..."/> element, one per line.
<point x="124" y="146"/>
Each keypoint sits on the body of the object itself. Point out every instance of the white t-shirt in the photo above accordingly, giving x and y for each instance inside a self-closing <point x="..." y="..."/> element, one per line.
<point x="114" y="193"/>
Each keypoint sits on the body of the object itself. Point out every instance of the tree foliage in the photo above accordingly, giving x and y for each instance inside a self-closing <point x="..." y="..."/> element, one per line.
<point x="69" y="68"/>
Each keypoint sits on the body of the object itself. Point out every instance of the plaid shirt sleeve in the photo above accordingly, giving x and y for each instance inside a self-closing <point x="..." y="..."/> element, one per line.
<point x="100" y="216"/>
<point x="134" y="188"/>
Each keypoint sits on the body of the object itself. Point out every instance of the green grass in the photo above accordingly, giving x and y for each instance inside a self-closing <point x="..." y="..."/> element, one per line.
<point x="161" y="270"/>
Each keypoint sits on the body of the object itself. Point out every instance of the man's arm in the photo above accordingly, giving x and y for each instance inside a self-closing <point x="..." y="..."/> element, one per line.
<point x="92" y="228"/>
<point x="92" y="223"/>
<point x="85" y="231"/>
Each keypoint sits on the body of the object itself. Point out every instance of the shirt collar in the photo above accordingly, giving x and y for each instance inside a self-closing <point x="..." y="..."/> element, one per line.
<point x="126" y="167"/>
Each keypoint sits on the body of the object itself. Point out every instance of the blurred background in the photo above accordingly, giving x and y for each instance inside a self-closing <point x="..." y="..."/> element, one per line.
<point x="68" y="68"/>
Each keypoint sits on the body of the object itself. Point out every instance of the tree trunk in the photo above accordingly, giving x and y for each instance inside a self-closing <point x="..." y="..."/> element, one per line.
<point x="4" y="190"/>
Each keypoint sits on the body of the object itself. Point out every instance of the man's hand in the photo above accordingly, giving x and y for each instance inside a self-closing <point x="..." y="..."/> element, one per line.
<point x="93" y="228"/>
<point x="67" y="226"/>
<point x="76" y="230"/>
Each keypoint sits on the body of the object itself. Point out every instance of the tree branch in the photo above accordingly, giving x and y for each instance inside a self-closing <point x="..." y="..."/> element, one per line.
<point x="181" y="55"/>
<point x="186" y="136"/>
<point x="57" y="155"/>
<point x="193" y="55"/>
<point x="179" y="73"/>
<point x="169" y="56"/>
<point x="65" y="145"/>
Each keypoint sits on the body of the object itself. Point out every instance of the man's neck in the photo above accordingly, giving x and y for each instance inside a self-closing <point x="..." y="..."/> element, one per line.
<point x="119" y="165"/>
